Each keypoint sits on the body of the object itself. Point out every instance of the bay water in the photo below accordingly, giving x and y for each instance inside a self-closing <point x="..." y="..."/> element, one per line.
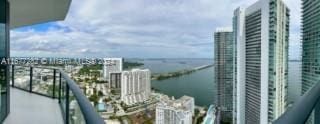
<point x="201" y="84"/>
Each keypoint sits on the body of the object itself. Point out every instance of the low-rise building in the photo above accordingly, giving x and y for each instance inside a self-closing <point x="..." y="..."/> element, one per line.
<point x="178" y="111"/>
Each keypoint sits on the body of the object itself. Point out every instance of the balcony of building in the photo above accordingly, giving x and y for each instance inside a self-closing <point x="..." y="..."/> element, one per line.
<point x="38" y="95"/>
<point x="28" y="108"/>
<point x="306" y="110"/>
<point x="41" y="95"/>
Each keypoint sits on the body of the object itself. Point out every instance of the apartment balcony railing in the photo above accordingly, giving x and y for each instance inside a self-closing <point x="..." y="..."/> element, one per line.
<point x="302" y="109"/>
<point x="56" y="84"/>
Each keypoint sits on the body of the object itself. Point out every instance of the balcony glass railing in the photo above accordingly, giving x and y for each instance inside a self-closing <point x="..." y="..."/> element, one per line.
<point x="304" y="110"/>
<point x="55" y="83"/>
<point x="21" y="77"/>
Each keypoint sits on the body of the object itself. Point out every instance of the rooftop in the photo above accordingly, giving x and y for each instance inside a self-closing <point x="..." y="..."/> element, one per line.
<point x="224" y="29"/>
<point x="177" y="104"/>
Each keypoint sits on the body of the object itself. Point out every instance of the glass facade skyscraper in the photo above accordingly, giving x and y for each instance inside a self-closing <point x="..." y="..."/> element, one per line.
<point x="311" y="49"/>
<point x="262" y="36"/>
<point x="224" y="65"/>
<point x="278" y="58"/>
<point x="310" y="43"/>
<point x="4" y="53"/>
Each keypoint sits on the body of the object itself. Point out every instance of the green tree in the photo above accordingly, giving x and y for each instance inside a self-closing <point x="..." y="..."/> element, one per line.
<point x="100" y="93"/>
<point x="94" y="98"/>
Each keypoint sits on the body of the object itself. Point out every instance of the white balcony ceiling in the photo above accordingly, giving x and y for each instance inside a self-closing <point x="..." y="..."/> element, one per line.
<point x="29" y="12"/>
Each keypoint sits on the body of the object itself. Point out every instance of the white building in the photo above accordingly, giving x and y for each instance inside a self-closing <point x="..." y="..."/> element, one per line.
<point x="261" y="34"/>
<point x="111" y="65"/>
<point x="239" y="88"/>
<point x="210" y="118"/>
<point x="135" y="86"/>
<point x="175" y="111"/>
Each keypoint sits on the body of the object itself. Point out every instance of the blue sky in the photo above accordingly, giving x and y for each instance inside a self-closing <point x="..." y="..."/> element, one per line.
<point x="138" y="29"/>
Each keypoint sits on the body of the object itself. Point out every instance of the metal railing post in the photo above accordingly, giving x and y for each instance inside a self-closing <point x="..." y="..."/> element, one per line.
<point x="67" y="104"/>
<point x="54" y="84"/>
<point x="89" y="112"/>
<point x="317" y="113"/>
<point x="12" y="75"/>
<point x="59" y="87"/>
<point x="31" y="75"/>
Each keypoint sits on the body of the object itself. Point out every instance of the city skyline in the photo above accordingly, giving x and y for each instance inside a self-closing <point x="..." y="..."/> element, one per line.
<point x="164" y="29"/>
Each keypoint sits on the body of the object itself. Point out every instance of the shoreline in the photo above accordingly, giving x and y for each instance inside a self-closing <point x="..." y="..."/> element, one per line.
<point x="180" y="73"/>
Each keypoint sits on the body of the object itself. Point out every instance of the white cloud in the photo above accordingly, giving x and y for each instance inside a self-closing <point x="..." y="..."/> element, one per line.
<point x="132" y="28"/>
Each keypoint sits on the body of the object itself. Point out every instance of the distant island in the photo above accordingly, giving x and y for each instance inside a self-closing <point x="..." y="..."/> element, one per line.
<point x="178" y="73"/>
<point x="130" y="65"/>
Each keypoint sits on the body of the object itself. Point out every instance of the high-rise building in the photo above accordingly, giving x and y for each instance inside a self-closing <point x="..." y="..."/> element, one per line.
<point x="224" y="73"/>
<point x="310" y="44"/>
<point x="239" y="68"/>
<point x="310" y="49"/>
<point x="135" y="86"/>
<point x="111" y="65"/>
<point x="262" y="36"/>
<point x="178" y="111"/>
<point x="115" y="80"/>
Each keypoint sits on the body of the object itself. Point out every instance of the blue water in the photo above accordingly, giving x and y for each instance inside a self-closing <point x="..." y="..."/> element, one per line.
<point x="201" y="84"/>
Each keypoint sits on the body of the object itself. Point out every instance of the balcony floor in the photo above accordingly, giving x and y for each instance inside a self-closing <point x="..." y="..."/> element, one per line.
<point x="29" y="108"/>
